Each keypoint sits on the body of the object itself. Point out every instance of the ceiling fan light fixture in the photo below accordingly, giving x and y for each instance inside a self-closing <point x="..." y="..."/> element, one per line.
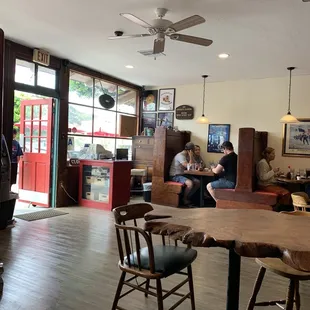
<point x="223" y="56"/>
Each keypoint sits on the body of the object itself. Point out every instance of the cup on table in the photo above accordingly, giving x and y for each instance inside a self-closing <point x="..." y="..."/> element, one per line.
<point x="188" y="167"/>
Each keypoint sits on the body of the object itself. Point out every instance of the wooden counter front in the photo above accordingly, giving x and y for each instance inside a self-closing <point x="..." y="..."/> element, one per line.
<point x="104" y="184"/>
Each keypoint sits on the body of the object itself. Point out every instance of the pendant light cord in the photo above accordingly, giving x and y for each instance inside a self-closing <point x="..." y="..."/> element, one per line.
<point x="204" y="94"/>
<point x="289" y="93"/>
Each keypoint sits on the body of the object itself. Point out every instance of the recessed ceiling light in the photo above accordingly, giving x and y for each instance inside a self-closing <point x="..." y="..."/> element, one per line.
<point x="223" y="55"/>
<point x="129" y="67"/>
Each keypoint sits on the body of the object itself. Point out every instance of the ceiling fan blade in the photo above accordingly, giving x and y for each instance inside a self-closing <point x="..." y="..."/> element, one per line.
<point x="187" y="23"/>
<point x="130" y="36"/>
<point x="136" y="20"/>
<point x="159" y="46"/>
<point x="190" y="39"/>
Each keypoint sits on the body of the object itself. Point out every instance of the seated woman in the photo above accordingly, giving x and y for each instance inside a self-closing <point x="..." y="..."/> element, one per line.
<point x="197" y="158"/>
<point x="266" y="177"/>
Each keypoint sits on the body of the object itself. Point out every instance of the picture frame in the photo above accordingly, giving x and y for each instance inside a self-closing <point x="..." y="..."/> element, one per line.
<point x="217" y="134"/>
<point x="296" y="139"/>
<point x="166" y="99"/>
<point x="149" y="100"/>
<point x="148" y="120"/>
<point x="165" y="119"/>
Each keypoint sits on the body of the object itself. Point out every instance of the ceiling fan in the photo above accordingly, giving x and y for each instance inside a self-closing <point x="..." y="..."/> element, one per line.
<point x="162" y="27"/>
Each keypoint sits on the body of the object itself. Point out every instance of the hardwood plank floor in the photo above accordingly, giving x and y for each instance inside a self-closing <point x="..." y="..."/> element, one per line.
<point x="69" y="262"/>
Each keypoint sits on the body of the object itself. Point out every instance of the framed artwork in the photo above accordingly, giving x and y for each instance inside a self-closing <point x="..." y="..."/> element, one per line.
<point x="149" y="100"/>
<point x="165" y="119"/>
<point x="296" y="139"/>
<point x="217" y="134"/>
<point x="148" y="120"/>
<point x="166" y="99"/>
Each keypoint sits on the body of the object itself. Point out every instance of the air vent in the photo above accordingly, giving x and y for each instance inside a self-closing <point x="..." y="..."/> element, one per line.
<point x="149" y="53"/>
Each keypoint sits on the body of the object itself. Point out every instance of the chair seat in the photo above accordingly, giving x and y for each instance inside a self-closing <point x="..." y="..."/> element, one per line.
<point x="138" y="172"/>
<point x="277" y="266"/>
<point x="168" y="259"/>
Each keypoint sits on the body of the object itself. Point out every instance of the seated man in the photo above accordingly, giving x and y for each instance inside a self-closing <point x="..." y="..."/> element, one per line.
<point x="197" y="158"/>
<point x="226" y="167"/>
<point x="178" y="167"/>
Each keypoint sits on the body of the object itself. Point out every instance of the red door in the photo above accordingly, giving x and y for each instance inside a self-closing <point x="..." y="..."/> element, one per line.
<point x="35" y="166"/>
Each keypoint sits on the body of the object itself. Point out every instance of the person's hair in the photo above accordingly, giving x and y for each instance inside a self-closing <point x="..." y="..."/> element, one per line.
<point x="197" y="145"/>
<point x="14" y="131"/>
<point x="227" y="145"/>
<point x="189" y="146"/>
<point x="267" y="151"/>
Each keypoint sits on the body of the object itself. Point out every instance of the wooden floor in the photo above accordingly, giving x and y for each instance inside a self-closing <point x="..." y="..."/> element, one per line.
<point x="70" y="262"/>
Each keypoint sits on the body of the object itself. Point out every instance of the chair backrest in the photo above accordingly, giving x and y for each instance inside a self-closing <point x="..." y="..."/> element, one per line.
<point x="129" y="244"/>
<point x="300" y="200"/>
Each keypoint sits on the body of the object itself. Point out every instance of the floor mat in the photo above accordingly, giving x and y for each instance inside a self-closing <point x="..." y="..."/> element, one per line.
<point x="39" y="215"/>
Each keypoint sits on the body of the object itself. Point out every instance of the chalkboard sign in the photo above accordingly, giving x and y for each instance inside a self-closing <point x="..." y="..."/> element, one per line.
<point x="184" y="112"/>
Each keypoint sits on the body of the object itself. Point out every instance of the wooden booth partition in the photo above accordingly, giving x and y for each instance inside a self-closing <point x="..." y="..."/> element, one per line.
<point x="245" y="195"/>
<point x="167" y="144"/>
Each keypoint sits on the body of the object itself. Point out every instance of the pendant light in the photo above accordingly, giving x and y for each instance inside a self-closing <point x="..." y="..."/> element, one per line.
<point x="289" y="118"/>
<point x="202" y="119"/>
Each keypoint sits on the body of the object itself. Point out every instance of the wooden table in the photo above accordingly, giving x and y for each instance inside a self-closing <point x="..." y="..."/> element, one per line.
<point x="294" y="185"/>
<point x="249" y="233"/>
<point x="201" y="175"/>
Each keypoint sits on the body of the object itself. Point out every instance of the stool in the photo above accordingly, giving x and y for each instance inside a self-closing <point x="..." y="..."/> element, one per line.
<point x="137" y="174"/>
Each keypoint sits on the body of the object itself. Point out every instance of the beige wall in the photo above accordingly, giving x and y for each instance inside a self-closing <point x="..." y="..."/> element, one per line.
<point x="252" y="103"/>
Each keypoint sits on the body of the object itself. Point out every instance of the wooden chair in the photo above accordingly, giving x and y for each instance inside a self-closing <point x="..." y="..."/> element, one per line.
<point x="150" y="262"/>
<point x="277" y="266"/>
<point x="301" y="201"/>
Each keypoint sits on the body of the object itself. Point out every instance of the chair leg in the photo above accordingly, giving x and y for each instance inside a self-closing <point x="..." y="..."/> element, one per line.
<point x="119" y="290"/>
<point x="147" y="287"/>
<point x="290" y="295"/>
<point x="257" y="286"/>
<point x="159" y="291"/>
<point x="297" y="295"/>
<point x="191" y="286"/>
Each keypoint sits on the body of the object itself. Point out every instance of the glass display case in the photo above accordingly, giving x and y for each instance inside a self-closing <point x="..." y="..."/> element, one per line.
<point x="104" y="184"/>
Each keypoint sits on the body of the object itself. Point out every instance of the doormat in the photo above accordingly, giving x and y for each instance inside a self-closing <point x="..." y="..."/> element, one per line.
<point x="39" y="215"/>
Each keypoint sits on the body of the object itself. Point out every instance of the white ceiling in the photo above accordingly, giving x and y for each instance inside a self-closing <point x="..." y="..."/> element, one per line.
<point x="262" y="36"/>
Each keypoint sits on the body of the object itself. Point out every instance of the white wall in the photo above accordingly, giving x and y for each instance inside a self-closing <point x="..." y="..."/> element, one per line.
<point x="253" y="103"/>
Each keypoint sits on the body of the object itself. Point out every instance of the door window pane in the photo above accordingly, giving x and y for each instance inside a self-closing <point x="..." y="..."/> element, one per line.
<point x="43" y="129"/>
<point x="27" y="129"/>
<point x="27" y="145"/>
<point x="36" y="112"/>
<point x="81" y="89"/>
<point x="102" y="87"/>
<point x="24" y="72"/>
<point x="80" y="119"/>
<point x="108" y="144"/>
<point x="46" y="77"/>
<point x="28" y="112"/>
<point x="104" y="123"/>
<point x="127" y="100"/>
<point x="43" y="145"/>
<point x="35" y="145"/>
<point x="44" y="112"/>
<point x="35" y="129"/>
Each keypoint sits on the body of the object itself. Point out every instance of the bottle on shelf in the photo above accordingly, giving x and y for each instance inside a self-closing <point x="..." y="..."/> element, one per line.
<point x="289" y="173"/>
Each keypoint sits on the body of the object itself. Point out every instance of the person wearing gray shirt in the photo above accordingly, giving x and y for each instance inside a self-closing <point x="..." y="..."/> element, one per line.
<point x="178" y="167"/>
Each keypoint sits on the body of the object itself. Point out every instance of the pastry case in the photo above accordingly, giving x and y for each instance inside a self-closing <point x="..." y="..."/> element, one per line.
<point x="104" y="184"/>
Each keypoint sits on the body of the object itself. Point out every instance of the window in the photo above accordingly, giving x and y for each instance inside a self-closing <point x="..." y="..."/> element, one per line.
<point x="89" y="122"/>
<point x="33" y="74"/>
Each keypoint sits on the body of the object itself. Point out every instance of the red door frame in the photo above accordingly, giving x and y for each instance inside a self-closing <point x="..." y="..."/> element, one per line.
<point x="35" y="167"/>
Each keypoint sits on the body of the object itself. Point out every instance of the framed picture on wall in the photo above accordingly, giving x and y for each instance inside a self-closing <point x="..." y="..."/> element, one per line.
<point x="166" y="99"/>
<point x="165" y="119"/>
<point x="217" y="134"/>
<point x="148" y="120"/>
<point x="149" y="100"/>
<point x="296" y="139"/>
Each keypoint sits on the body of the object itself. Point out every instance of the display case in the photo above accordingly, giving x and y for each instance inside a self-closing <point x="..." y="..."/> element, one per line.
<point x="104" y="184"/>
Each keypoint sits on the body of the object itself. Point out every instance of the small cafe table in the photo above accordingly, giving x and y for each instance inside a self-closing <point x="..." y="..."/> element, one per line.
<point x="248" y="233"/>
<point x="201" y="175"/>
